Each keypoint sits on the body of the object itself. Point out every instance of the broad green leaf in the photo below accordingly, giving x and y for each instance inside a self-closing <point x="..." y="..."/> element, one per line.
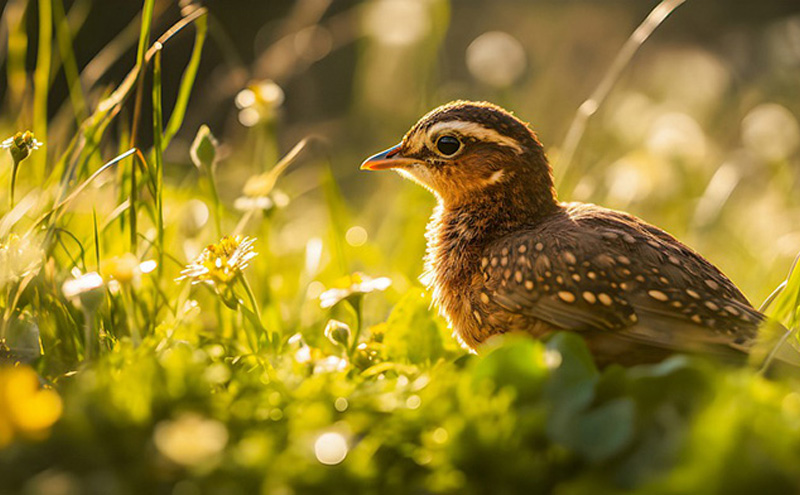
<point x="518" y="362"/>
<point x="605" y="431"/>
<point x="413" y="334"/>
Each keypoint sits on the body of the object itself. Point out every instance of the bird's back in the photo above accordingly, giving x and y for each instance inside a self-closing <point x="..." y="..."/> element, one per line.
<point x="617" y="279"/>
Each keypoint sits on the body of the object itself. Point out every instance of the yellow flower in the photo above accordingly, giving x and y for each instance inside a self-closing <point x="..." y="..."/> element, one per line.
<point x="26" y="410"/>
<point x="355" y="285"/>
<point x="219" y="264"/>
<point x="126" y="269"/>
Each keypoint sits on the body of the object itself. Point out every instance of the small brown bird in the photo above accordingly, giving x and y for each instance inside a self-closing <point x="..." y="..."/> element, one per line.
<point x="505" y="255"/>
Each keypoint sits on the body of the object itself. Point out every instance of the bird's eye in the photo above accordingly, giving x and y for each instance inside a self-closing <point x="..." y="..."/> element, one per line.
<point x="448" y="145"/>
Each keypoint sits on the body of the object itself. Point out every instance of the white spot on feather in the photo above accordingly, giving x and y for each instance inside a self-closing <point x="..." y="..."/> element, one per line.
<point x="496" y="177"/>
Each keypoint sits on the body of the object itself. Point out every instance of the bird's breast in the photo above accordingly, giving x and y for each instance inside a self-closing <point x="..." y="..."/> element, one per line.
<point x="452" y="272"/>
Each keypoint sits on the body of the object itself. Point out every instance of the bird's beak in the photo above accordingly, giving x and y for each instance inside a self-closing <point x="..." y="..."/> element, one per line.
<point x="387" y="159"/>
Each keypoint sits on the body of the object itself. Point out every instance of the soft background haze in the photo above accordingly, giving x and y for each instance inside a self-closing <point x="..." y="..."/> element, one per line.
<point x="700" y="134"/>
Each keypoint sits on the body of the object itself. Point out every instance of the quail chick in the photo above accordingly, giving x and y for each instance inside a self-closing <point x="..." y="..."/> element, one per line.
<point x="505" y="255"/>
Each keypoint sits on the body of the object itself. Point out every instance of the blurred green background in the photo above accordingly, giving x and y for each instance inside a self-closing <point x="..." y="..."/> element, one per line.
<point x="699" y="135"/>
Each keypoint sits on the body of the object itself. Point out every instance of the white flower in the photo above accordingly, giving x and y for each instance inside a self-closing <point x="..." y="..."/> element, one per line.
<point x="330" y="364"/>
<point x="220" y="263"/>
<point x="355" y="285"/>
<point x="81" y="284"/>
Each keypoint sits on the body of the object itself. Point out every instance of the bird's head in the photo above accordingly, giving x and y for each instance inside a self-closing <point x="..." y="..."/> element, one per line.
<point x="465" y="150"/>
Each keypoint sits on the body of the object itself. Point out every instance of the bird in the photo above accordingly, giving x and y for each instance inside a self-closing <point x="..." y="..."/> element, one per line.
<point x="505" y="255"/>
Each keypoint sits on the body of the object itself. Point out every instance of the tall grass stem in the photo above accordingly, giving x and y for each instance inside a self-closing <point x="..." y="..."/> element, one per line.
<point x="41" y="83"/>
<point x="158" y="159"/>
<point x="592" y="104"/>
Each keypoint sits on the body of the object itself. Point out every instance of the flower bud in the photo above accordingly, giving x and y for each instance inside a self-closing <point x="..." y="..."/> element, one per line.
<point x="20" y="145"/>
<point x="338" y="333"/>
<point x="204" y="148"/>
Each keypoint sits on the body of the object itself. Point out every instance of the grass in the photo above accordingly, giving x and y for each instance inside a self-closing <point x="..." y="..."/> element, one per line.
<point x="134" y="362"/>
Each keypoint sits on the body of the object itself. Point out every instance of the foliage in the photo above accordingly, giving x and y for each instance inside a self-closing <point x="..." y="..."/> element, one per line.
<point x="524" y="418"/>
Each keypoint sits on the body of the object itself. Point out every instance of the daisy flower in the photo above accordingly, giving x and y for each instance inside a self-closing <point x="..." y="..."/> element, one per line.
<point x="219" y="264"/>
<point x="356" y="284"/>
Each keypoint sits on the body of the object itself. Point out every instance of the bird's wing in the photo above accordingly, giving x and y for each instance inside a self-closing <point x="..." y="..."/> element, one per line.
<point x="594" y="269"/>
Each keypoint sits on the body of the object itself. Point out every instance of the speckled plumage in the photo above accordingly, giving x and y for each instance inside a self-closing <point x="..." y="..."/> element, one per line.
<point x="504" y="255"/>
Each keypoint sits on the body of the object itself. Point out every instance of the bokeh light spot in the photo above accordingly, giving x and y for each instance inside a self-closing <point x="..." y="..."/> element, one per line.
<point x="330" y="448"/>
<point x="677" y="135"/>
<point x="397" y="22"/>
<point x="440" y="435"/>
<point x="771" y="132"/>
<point x="341" y="404"/>
<point x="190" y="439"/>
<point x="496" y="58"/>
<point x="245" y="98"/>
<point x="356" y="236"/>
<point x="249" y="117"/>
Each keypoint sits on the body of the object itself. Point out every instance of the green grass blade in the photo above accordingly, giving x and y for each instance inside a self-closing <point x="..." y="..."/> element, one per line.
<point x="64" y="39"/>
<point x="41" y="82"/>
<point x="786" y="303"/>
<point x="589" y="107"/>
<point x="187" y="81"/>
<point x="96" y="236"/>
<point x="14" y="16"/>
<point x="339" y="219"/>
<point x="83" y="186"/>
<point x="144" y="33"/>
<point x="158" y="149"/>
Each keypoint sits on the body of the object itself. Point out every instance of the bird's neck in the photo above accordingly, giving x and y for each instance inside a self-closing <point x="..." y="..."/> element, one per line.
<point x="483" y="216"/>
<point x="459" y="231"/>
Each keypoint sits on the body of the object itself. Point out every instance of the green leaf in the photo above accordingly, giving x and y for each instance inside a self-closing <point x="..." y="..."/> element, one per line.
<point x="22" y="338"/>
<point x="785" y="306"/>
<point x="187" y="81"/>
<point x="571" y="388"/>
<point x="605" y="431"/>
<point x="518" y="362"/>
<point x="572" y="383"/>
<point x="413" y="334"/>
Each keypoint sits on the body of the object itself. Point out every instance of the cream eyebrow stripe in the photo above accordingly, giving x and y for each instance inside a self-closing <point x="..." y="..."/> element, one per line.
<point x="474" y="130"/>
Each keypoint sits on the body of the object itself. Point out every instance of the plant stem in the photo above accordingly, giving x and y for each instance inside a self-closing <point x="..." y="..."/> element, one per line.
<point x="158" y="160"/>
<point x="217" y="205"/>
<point x="356" y="303"/>
<point x="14" y="169"/>
<point x="41" y="82"/>
<point x="130" y="311"/>
<point x="251" y="296"/>
<point x="88" y="334"/>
